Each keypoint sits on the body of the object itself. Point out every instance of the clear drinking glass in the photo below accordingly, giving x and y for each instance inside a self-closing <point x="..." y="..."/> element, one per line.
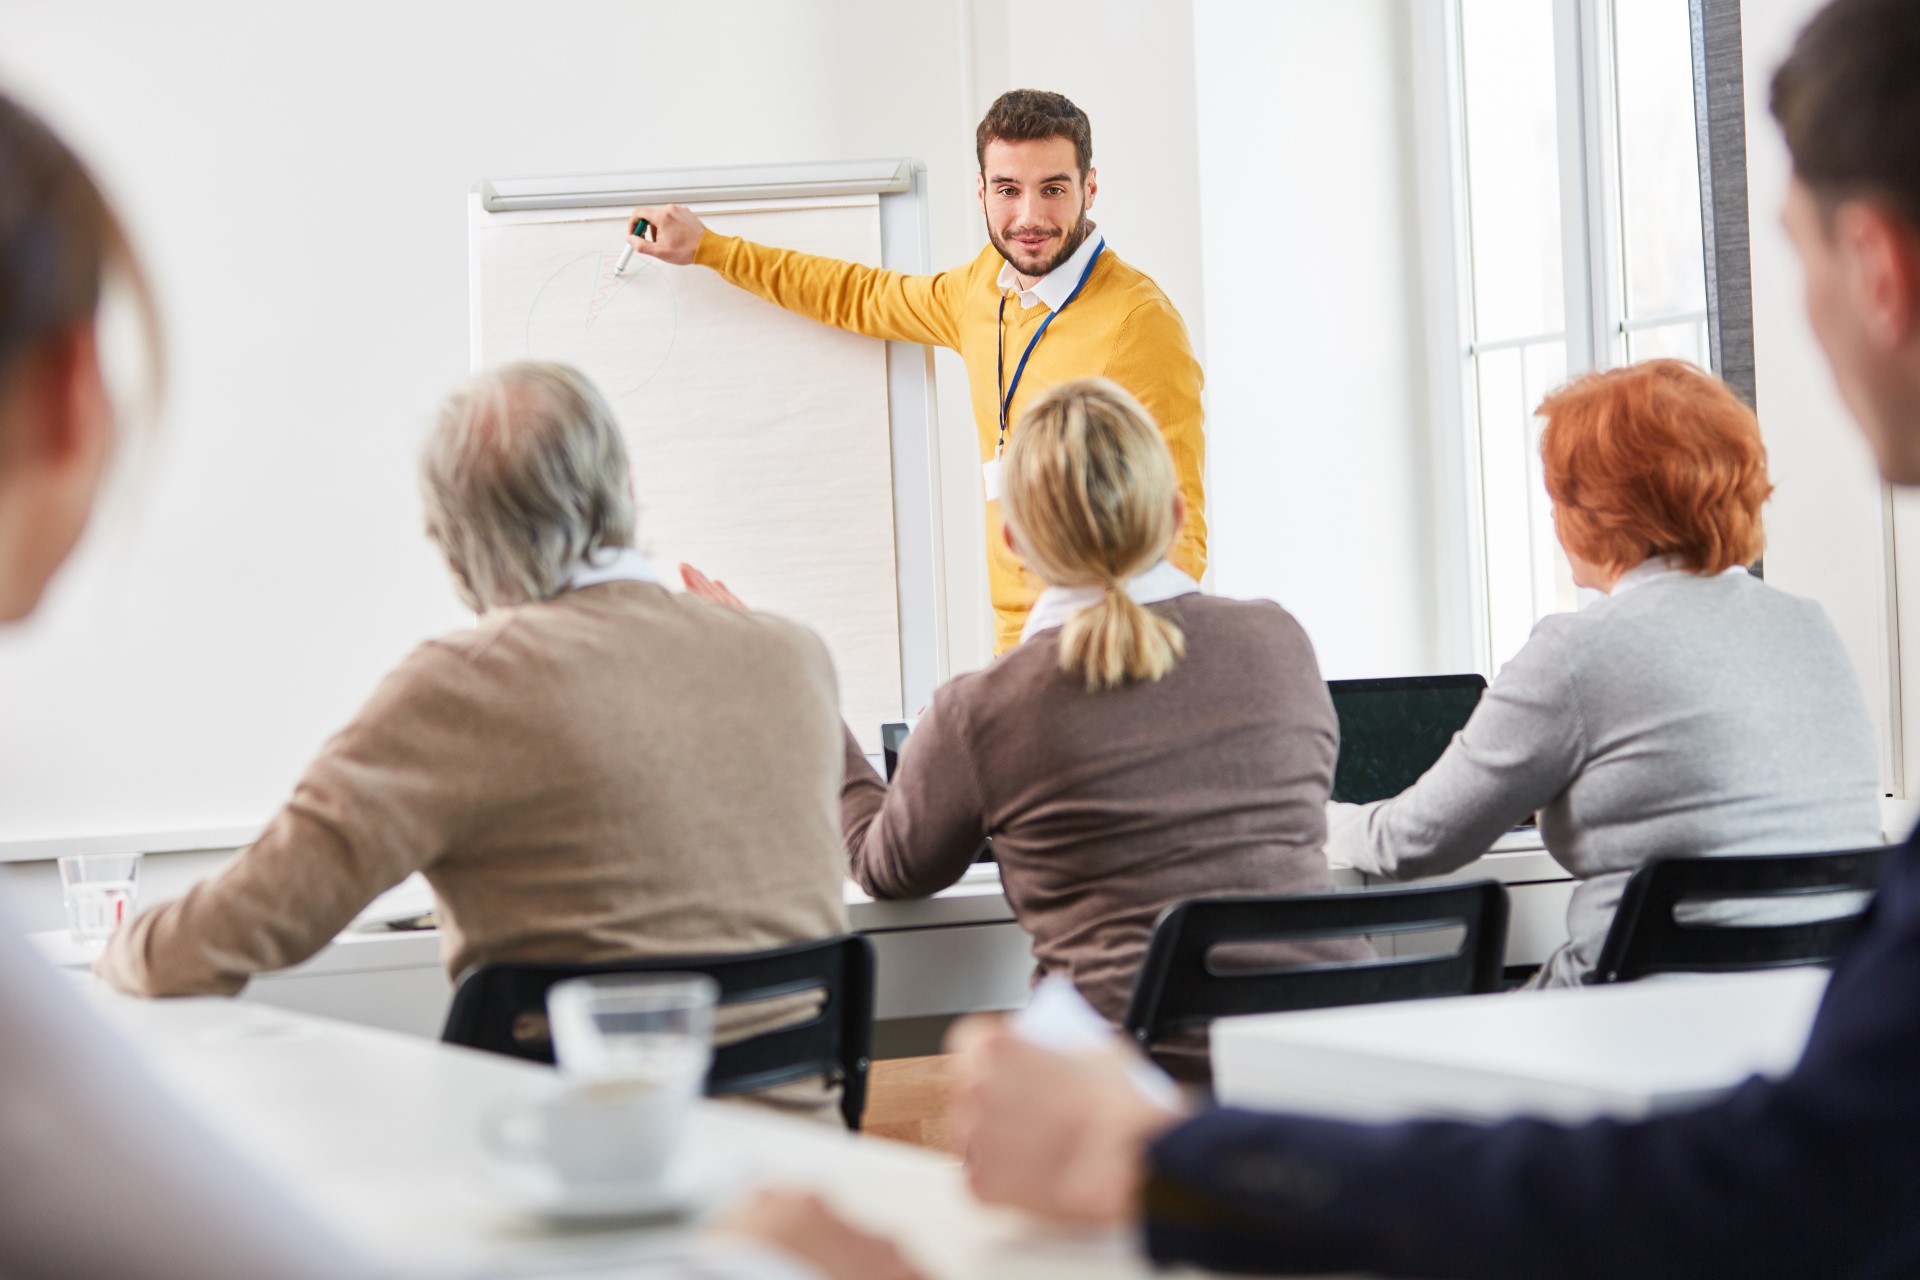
<point x="99" y="891"/>
<point x="634" y="1029"/>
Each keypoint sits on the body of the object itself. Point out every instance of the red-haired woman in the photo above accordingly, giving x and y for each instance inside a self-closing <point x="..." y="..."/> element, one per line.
<point x="1695" y="710"/>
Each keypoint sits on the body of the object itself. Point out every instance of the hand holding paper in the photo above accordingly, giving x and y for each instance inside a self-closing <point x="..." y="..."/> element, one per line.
<point x="1055" y="1112"/>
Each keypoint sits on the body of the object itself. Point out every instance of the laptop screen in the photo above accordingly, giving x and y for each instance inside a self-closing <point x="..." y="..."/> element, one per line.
<point x="1392" y="730"/>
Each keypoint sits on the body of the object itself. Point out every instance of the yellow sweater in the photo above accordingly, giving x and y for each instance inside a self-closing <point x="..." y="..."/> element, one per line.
<point x="1120" y="327"/>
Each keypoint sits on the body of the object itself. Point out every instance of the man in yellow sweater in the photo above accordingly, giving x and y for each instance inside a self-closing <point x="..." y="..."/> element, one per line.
<point x="1047" y="261"/>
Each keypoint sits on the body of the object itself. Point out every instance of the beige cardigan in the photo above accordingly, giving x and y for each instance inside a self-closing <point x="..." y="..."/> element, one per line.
<point x="617" y="772"/>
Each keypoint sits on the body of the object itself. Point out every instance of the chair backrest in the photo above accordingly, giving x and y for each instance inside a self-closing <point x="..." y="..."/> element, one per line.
<point x="1647" y="937"/>
<point x="502" y="1008"/>
<point x="1179" y="987"/>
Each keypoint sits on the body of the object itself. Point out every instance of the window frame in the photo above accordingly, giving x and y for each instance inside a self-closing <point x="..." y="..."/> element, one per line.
<point x="1597" y="330"/>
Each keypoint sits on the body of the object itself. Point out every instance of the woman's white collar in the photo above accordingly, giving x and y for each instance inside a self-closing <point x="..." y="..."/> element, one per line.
<point x="1656" y="567"/>
<point x="1057" y="604"/>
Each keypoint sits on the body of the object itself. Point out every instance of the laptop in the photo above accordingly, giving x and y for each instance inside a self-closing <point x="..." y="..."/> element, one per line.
<point x="893" y="737"/>
<point x="1392" y="730"/>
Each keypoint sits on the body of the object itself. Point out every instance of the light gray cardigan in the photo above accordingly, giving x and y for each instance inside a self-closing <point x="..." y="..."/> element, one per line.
<point x="1681" y="715"/>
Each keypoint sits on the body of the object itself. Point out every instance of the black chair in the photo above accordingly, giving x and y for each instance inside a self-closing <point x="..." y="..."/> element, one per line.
<point x="1647" y="938"/>
<point x="1180" y="987"/>
<point x="503" y="1008"/>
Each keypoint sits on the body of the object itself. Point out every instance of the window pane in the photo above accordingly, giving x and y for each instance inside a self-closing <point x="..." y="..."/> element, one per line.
<point x="1684" y="341"/>
<point x="1659" y="168"/>
<point x="1526" y="574"/>
<point x="1545" y="369"/>
<point x="1513" y="167"/>
<point x="1503" y="477"/>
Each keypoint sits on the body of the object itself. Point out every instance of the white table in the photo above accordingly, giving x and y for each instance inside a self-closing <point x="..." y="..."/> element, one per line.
<point x="377" y="1134"/>
<point x="959" y="951"/>
<point x="1629" y="1050"/>
<point x="956" y="952"/>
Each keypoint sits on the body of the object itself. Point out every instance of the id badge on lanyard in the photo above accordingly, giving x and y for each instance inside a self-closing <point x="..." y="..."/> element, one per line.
<point x="990" y="469"/>
<point x="990" y="477"/>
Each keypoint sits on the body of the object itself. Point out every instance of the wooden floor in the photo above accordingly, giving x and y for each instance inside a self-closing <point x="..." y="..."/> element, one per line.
<point x="907" y="1101"/>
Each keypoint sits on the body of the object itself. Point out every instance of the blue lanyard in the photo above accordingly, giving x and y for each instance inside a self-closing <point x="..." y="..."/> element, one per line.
<point x="1000" y="329"/>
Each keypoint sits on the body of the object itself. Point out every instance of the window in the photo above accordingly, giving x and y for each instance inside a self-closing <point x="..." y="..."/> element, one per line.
<point x="1663" y="273"/>
<point x="1576" y="177"/>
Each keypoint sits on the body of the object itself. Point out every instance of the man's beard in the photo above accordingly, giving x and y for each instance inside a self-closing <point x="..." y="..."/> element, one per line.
<point x="1070" y="242"/>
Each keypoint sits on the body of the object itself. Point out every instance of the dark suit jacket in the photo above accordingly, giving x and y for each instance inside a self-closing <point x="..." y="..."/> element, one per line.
<point x="1814" y="1175"/>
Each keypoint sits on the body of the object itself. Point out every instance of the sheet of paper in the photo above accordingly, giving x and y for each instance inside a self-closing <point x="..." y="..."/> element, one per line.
<point x="759" y="439"/>
<point x="1058" y="1017"/>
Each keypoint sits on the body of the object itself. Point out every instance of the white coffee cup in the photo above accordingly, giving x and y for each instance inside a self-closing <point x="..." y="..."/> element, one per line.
<point x="597" y="1133"/>
<point x="633" y="1052"/>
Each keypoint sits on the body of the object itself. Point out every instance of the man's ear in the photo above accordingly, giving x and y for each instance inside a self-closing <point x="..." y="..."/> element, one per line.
<point x="980" y="187"/>
<point x="1884" y="257"/>
<point x="1093" y="187"/>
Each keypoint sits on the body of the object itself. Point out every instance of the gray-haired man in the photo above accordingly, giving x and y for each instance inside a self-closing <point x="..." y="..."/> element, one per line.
<point x="599" y="769"/>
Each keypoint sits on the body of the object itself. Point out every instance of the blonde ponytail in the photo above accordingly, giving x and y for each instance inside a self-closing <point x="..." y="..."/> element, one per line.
<point x="1117" y="640"/>
<point x="1088" y="490"/>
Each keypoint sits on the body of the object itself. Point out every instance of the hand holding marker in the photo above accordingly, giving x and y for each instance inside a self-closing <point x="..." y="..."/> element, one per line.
<point x="626" y="255"/>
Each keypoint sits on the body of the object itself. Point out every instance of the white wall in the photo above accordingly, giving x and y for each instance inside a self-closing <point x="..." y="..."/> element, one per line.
<point x="1319" y="416"/>
<point x="298" y="177"/>
<point x="1826" y="527"/>
<point x="243" y="145"/>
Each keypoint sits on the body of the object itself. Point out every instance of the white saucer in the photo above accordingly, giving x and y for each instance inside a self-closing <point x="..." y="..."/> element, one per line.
<point x="694" y="1181"/>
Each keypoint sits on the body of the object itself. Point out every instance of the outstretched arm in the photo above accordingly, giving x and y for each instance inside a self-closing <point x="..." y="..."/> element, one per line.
<point x="1523" y="746"/>
<point x="919" y="835"/>
<point x="379" y="802"/>
<point x="846" y="295"/>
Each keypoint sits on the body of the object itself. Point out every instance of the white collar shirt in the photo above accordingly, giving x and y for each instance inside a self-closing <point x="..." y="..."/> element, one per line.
<point x="1057" y="604"/>
<point x="1055" y="287"/>
<point x="613" y="564"/>
<point x="1654" y="568"/>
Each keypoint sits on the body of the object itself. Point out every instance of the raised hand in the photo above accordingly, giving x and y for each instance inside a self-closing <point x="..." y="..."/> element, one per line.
<point x="706" y="588"/>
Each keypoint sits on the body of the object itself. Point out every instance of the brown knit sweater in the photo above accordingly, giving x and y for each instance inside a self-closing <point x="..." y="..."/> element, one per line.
<point x="1106" y="808"/>
<point x="617" y="772"/>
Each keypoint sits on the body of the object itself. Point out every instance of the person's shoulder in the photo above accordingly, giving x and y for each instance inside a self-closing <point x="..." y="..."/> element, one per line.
<point x="1014" y="682"/>
<point x="1750" y="586"/>
<point x="1803" y="614"/>
<point x="1703" y="600"/>
<point x="984" y="265"/>
<point x="1146" y="302"/>
<point x="1027" y="661"/>
<point x="1229" y="615"/>
<point x="751" y="634"/>
<point x="436" y="675"/>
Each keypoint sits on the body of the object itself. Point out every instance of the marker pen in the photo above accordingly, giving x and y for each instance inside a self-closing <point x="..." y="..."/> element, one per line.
<point x="626" y="254"/>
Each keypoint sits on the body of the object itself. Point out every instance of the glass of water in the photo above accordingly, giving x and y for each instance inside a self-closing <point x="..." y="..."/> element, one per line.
<point x="640" y="1028"/>
<point x="99" y="890"/>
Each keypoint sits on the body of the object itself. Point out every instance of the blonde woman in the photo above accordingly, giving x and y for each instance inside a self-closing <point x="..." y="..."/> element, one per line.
<point x="1143" y="744"/>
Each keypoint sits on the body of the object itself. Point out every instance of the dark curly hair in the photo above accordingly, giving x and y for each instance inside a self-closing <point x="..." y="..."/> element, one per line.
<point x="1029" y="115"/>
